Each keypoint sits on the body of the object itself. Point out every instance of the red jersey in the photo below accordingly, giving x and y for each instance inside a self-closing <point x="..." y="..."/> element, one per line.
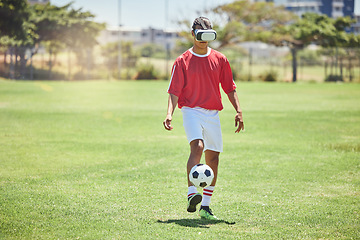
<point x="196" y="79"/>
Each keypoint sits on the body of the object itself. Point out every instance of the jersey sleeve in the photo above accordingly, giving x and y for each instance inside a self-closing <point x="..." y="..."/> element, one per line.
<point x="226" y="78"/>
<point x="177" y="79"/>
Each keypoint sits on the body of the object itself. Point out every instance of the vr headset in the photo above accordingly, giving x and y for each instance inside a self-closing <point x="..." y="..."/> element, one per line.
<point x="205" y="35"/>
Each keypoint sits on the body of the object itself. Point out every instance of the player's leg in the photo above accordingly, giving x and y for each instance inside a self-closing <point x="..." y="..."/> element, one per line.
<point x="196" y="150"/>
<point x="212" y="160"/>
<point x="193" y="129"/>
<point x="194" y="134"/>
<point x="213" y="147"/>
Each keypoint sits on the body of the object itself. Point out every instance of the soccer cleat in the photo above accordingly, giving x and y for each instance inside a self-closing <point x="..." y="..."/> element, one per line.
<point x="206" y="213"/>
<point x="193" y="201"/>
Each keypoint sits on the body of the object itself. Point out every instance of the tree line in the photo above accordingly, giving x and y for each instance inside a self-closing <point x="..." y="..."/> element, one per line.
<point x="24" y="28"/>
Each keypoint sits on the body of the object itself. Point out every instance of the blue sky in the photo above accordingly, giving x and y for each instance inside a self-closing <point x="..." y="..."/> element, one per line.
<point x="149" y="13"/>
<point x="144" y="13"/>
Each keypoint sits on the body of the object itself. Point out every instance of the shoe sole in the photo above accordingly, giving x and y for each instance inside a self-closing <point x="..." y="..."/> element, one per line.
<point x="193" y="202"/>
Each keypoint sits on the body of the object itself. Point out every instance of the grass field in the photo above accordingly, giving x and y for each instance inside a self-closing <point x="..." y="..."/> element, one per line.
<point x="91" y="160"/>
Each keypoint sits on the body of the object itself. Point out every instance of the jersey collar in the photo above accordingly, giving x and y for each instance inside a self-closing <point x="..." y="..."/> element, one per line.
<point x="198" y="55"/>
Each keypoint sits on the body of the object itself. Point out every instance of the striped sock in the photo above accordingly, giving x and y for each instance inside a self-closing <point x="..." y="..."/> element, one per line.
<point x="207" y="193"/>
<point x="191" y="191"/>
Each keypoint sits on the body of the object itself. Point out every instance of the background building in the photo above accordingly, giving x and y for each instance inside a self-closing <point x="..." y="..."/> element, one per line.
<point x="338" y="8"/>
<point x="301" y="7"/>
<point x="138" y="36"/>
<point x="38" y="1"/>
<point x="356" y="26"/>
<point x="332" y="8"/>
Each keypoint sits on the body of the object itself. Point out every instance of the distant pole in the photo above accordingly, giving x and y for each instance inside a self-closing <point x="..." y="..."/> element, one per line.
<point x="119" y="39"/>
<point x="294" y="63"/>
<point x="31" y="65"/>
<point x="12" y="68"/>
<point x="166" y="39"/>
<point x="250" y="65"/>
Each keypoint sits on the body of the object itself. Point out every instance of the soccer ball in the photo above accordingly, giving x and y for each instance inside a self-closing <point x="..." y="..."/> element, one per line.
<point x="201" y="175"/>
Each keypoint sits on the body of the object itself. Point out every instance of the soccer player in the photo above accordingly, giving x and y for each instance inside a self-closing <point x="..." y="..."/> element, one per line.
<point x="195" y="87"/>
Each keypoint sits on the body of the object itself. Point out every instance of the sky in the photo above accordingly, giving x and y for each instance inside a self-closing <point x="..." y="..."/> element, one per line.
<point x="144" y="13"/>
<point x="149" y="13"/>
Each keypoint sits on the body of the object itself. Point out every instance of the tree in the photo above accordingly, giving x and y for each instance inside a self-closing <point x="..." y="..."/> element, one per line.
<point x="65" y="27"/>
<point x="13" y="19"/>
<point x="247" y="21"/>
<point x="311" y="28"/>
<point x="352" y="48"/>
<point x="16" y="32"/>
<point x="26" y="27"/>
<point x="81" y="34"/>
<point x="51" y="23"/>
<point x="128" y="54"/>
<point x="152" y="50"/>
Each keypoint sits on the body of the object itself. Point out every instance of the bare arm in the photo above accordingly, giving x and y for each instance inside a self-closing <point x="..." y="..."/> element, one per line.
<point x="172" y="102"/>
<point x="239" y="123"/>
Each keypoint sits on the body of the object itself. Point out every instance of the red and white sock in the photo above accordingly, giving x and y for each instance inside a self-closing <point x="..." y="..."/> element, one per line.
<point x="191" y="191"/>
<point x="207" y="193"/>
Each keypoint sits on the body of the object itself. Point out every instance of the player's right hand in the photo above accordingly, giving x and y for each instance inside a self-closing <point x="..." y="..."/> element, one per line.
<point x="167" y="123"/>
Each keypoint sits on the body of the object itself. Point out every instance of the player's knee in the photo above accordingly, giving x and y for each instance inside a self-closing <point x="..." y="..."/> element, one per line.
<point x="197" y="146"/>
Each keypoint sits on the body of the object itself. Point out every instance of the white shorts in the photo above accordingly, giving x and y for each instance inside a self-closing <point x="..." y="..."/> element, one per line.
<point x="200" y="123"/>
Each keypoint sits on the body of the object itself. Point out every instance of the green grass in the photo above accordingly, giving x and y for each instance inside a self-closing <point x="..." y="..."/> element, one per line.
<point x="91" y="160"/>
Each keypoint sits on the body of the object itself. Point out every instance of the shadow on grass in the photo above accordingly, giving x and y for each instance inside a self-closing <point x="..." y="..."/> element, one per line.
<point x="195" y="223"/>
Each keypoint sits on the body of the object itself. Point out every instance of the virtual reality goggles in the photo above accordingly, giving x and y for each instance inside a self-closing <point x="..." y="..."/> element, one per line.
<point x="205" y="35"/>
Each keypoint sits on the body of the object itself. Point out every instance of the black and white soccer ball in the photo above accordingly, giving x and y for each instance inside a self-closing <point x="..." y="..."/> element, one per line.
<point x="201" y="175"/>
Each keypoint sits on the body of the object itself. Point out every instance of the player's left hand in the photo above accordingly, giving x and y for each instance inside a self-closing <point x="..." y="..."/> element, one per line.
<point x="239" y="123"/>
